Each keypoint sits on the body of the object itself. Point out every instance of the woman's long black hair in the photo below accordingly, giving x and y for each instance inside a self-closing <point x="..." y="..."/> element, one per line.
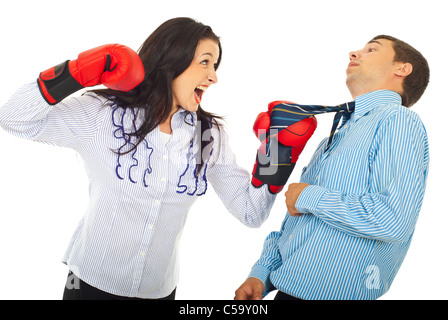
<point x="165" y="54"/>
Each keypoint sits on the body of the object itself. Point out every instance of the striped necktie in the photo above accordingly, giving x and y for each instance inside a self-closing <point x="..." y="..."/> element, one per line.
<point x="287" y="113"/>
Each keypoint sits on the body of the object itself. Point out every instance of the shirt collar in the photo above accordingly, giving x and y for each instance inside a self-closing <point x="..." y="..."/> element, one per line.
<point x="182" y="115"/>
<point x="375" y="99"/>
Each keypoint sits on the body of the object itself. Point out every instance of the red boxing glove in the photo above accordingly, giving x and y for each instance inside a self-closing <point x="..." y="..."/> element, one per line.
<point x="116" y="66"/>
<point x="283" y="139"/>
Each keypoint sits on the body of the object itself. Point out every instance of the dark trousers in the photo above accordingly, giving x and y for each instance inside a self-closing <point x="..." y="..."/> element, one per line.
<point x="84" y="291"/>
<point x="283" y="296"/>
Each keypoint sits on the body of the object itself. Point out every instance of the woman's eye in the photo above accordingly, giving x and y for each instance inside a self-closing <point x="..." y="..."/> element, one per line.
<point x="204" y="62"/>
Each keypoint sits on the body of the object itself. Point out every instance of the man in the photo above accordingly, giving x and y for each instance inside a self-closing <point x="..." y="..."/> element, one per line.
<point x="351" y="218"/>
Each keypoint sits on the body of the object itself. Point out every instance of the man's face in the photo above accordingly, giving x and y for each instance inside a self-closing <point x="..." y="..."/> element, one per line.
<point x="371" y="68"/>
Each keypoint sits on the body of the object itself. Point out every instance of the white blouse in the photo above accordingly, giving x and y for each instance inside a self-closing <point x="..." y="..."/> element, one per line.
<point x="127" y="242"/>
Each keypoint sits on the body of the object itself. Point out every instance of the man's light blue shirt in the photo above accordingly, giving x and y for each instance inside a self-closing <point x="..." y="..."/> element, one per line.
<point x="360" y="210"/>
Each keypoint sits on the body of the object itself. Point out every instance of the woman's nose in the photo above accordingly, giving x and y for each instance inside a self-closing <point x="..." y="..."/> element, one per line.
<point x="212" y="77"/>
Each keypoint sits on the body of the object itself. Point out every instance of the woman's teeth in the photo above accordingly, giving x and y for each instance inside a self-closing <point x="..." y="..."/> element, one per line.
<point x="203" y="88"/>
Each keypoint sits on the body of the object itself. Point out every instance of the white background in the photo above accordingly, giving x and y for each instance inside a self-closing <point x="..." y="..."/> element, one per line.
<point x="289" y="50"/>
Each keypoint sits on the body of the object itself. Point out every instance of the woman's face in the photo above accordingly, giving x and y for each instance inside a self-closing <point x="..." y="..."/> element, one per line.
<point x="189" y="87"/>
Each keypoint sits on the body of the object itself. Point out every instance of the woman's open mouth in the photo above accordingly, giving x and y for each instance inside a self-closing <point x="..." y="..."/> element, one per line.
<point x="198" y="92"/>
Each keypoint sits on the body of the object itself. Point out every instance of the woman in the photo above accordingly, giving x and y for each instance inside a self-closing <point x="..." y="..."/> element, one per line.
<point x="149" y="149"/>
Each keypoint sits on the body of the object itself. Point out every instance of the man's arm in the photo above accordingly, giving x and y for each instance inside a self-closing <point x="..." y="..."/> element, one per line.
<point x="292" y="194"/>
<point x="251" y="289"/>
<point x="389" y="210"/>
<point x="258" y="284"/>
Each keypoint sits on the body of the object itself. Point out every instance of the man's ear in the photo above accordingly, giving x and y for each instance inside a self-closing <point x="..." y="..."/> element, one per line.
<point x="402" y="69"/>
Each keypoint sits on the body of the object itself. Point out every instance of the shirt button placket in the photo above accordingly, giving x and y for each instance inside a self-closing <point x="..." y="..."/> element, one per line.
<point x="146" y="239"/>
<point x="147" y="235"/>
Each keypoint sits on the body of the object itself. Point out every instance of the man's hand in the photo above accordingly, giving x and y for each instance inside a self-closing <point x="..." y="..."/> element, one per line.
<point x="251" y="289"/>
<point x="293" y="193"/>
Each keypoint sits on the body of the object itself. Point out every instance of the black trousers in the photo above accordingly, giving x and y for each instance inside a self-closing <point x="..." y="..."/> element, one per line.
<point x="84" y="291"/>
<point x="283" y="296"/>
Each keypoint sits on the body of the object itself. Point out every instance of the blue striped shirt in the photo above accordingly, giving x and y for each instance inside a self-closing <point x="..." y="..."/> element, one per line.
<point x="128" y="239"/>
<point x="360" y="210"/>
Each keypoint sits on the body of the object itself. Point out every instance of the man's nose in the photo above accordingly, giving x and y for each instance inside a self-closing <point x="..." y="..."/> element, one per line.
<point x="354" y="55"/>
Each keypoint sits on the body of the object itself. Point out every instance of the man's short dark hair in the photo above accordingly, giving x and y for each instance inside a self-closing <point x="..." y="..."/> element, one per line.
<point x="415" y="83"/>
